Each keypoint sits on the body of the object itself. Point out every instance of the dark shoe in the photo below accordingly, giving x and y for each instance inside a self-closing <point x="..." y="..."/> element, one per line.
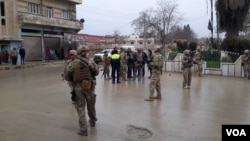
<point x="83" y="133"/>
<point x="118" y="82"/>
<point x="92" y="123"/>
<point x="113" y="82"/>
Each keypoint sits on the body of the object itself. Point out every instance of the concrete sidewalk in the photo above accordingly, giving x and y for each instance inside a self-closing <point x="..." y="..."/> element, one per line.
<point x="29" y="64"/>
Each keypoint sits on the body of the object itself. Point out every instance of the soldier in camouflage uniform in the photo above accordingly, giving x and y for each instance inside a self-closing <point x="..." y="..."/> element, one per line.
<point x="186" y="67"/>
<point x="124" y="62"/>
<point x="198" y="61"/>
<point x="84" y="73"/>
<point x="106" y="66"/>
<point x="155" y="83"/>
<point x="73" y="56"/>
<point x="245" y="58"/>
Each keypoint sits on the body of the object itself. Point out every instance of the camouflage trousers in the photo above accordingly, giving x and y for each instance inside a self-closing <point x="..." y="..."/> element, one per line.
<point x="155" y="83"/>
<point x="82" y="99"/>
<point x="246" y="70"/>
<point x="106" y="71"/>
<point x="187" y="77"/>
<point x="198" y="68"/>
<point x="123" y="71"/>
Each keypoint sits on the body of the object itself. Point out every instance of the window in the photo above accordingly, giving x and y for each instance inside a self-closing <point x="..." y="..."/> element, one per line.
<point x="3" y="22"/>
<point x="65" y="14"/>
<point x="49" y="12"/>
<point x="132" y="43"/>
<point x="34" y="8"/>
<point x="2" y="9"/>
<point x="140" y="43"/>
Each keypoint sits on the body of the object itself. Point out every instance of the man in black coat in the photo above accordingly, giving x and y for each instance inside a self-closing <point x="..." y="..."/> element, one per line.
<point x="22" y="55"/>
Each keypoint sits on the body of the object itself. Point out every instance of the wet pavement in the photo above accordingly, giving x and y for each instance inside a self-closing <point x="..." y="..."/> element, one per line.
<point x="35" y="105"/>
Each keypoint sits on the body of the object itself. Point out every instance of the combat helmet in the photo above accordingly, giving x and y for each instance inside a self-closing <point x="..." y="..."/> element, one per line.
<point x="246" y="51"/>
<point x="73" y="52"/>
<point x="186" y="52"/>
<point x="82" y="48"/>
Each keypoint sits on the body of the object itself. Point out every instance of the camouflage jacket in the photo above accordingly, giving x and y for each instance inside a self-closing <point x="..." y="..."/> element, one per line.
<point x="157" y="63"/>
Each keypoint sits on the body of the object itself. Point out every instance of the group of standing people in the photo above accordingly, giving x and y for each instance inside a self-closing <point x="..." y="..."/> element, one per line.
<point x="125" y="64"/>
<point x="128" y="65"/>
<point x="13" y="56"/>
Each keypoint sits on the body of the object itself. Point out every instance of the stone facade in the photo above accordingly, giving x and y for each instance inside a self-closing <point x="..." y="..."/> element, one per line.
<point x="37" y="25"/>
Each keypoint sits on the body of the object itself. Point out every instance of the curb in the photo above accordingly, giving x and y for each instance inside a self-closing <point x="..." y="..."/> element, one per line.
<point x="9" y="67"/>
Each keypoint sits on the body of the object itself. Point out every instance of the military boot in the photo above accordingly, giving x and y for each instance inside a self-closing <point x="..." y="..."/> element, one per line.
<point x="83" y="133"/>
<point x="92" y="123"/>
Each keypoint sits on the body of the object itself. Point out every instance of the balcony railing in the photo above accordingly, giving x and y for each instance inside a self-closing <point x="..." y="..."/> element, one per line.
<point x="44" y="21"/>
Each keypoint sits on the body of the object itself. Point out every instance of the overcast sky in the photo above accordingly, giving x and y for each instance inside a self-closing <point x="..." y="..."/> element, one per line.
<point x="103" y="17"/>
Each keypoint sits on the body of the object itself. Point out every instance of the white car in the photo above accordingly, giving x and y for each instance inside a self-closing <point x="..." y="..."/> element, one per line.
<point x="99" y="56"/>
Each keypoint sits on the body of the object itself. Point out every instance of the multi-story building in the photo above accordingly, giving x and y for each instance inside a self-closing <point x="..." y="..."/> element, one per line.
<point x="37" y="25"/>
<point x="138" y="42"/>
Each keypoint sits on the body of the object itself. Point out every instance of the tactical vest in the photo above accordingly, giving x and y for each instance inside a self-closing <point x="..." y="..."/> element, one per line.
<point x="123" y="57"/>
<point x="139" y="57"/>
<point x="157" y="61"/>
<point x="81" y="71"/>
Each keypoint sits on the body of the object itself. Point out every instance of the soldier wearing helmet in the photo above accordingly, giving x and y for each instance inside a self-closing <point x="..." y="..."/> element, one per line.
<point x="155" y="82"/>
<point x="187" y="63"/>
<point x="245" y="58"/>
<point x="140" y="59"/>
<point x="197" y="60"/>
<point x="84" y="72"/>
<point x="106" y="65"/>
<point x="67" y="77"/>
<point x="124" y="62"/>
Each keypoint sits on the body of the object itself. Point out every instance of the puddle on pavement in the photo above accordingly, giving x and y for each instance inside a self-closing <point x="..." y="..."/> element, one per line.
<point x="138" y="132"/>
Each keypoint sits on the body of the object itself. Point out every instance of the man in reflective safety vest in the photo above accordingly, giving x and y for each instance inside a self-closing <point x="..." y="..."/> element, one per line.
<point x="115" y="64"/>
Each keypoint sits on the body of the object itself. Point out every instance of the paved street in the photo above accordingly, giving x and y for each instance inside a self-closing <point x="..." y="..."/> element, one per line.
<point x="35" y="105"/>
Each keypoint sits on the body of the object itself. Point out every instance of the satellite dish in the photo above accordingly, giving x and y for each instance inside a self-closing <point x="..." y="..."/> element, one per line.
<point x="82" y="20"/>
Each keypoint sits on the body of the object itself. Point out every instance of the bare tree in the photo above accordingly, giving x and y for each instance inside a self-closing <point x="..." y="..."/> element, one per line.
<point x="159" y="19"/>
<point x="116" y="35"/>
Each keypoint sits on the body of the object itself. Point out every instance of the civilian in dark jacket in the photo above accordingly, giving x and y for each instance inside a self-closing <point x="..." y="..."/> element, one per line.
<point x="22" y="55"/>
<point x="115" y="64"/>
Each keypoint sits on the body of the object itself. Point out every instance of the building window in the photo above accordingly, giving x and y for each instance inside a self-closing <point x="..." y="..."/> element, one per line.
<point x="140" y="43"/>
<point x="34" y="8"/>
<point x="2" y="9"/>
<point x="49" y="12"/>
<point x="65" y="14"/>
<point x="149" y="43"/>
<point x="3" y="22"/>
<point x="132" y="43"/>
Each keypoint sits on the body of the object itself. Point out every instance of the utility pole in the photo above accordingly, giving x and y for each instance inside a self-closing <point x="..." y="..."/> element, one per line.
<point x="212" y="36"/>
<point x="42" y="32"/>
<point x="144" y="34"/>
<point x="217" y="19"/>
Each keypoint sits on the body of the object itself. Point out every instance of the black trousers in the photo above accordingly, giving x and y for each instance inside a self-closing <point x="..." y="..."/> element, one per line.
<point x="115" y="70"/>
<point x="130" y="70"/>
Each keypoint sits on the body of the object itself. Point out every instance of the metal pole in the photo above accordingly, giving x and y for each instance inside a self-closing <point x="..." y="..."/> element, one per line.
<point x="217" y="19"/>
<point x="42" y="33"/>
<point x="43" y="48"/>
<point x="144" y="34"/>
<point x="212" y="36"/>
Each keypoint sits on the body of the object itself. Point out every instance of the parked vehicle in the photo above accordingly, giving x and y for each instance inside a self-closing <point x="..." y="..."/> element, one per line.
<point x="98" y="58"/>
